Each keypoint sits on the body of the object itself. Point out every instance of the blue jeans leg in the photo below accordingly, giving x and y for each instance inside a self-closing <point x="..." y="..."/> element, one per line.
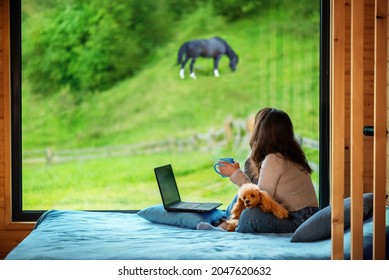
<point x="229" y="208"/>
<point x="254" y="220"/>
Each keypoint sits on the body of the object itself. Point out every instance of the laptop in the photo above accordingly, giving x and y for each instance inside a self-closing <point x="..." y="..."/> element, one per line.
<point x="171" y="196"/>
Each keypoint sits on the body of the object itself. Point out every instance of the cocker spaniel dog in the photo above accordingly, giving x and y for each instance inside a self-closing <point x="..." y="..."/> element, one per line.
<point x="249" y="196"/>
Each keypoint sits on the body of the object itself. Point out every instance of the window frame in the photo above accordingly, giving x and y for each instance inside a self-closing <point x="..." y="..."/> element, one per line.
<point x="19" y="215"/>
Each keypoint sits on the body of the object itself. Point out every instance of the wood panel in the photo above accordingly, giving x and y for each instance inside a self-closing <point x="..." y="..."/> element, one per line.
<point x="379" y="175"/>
<point x="387" y="110"/>
<point x="347" y="77"/>
<point x="356" y="118"/>
<point x="356" y="143"/>
<point x="356" y="51"/>
<point x="4" y="243"/>
<point x="368" y="90"/>
<point x="337" y="126"/>
<point x="11" y="234"/>
<point x="9" y="239"/>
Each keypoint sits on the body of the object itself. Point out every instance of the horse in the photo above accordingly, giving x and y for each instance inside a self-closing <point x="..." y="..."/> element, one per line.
<point x="214" y="47"/>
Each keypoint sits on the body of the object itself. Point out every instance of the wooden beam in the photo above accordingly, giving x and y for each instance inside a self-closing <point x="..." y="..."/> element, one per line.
<point x="337" y="167"/>
<point x="380" y="107"/>
<point x="357" y="118"/>
<point x="6" y="117"/>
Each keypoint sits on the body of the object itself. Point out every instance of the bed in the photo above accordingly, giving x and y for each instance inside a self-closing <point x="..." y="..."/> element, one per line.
<point x="77" y="235"/>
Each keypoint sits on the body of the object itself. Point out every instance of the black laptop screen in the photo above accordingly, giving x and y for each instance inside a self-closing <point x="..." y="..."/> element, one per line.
<point x="167" y="184"/>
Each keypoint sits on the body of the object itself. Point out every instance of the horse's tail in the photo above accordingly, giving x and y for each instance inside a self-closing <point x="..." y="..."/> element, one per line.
<point x="181" y="52"/>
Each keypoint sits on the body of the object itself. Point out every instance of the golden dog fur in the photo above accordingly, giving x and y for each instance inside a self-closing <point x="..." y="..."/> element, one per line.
<point x="249" y="196"/>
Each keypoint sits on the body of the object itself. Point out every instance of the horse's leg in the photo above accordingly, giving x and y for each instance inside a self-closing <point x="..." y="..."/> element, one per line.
<point x="216" y="60"/>
<point x="182" y="71"/>
<point x="192" y="73"/>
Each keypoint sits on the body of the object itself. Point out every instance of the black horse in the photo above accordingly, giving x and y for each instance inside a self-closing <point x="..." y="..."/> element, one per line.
<point x="214" y="47"/>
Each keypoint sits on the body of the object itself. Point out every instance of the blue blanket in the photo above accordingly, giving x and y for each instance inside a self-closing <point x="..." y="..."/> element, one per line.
<point x="111" y="235"/>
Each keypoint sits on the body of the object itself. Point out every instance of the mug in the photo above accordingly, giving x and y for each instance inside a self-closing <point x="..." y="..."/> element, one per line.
<point x="226" y="159"/>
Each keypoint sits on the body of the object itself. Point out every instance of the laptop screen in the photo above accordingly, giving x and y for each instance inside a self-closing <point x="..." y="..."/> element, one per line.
<point x="167" y="184"/>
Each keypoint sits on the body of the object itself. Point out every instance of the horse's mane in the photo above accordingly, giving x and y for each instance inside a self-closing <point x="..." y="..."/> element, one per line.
<point x="230" y="52"/>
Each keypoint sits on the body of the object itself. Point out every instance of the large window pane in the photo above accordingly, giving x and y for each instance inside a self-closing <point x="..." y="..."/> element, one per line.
<point x="103" y="103"/>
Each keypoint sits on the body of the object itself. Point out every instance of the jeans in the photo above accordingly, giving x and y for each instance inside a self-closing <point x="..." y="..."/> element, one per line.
<point x="254" y="220"/>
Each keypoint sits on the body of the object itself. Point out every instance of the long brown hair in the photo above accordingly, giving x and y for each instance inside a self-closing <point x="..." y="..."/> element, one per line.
<point x="273" y="133"/>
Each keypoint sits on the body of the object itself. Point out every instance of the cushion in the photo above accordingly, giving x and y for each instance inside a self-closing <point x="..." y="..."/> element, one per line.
<point x="157" y="214"/>
<point x="318" y="226"/>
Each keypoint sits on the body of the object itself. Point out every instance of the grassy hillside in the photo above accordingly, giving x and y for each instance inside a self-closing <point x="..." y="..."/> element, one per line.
<point x="156" y="102"/>
<point x="277" y="68"/>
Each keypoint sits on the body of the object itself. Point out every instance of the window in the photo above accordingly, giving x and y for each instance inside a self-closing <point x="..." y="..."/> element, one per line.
<point x="92" y="118"/>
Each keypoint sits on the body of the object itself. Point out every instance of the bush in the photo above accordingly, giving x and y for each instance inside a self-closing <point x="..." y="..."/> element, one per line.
<point x="89" y="45"/>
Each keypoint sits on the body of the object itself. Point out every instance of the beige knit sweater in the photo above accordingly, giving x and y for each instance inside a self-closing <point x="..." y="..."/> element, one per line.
<point x="284" y="180"/>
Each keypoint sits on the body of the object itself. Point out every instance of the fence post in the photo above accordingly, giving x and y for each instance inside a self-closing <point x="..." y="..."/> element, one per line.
<point x="228" y="129"/>
<point x="49" y="156"/>
<point x="250" y="123"/>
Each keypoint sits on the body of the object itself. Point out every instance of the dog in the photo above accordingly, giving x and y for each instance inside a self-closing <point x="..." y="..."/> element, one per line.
<point x="249" y="196"/>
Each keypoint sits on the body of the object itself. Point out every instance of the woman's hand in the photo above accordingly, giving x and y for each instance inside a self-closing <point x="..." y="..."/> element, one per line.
<point x="227" y="169"/>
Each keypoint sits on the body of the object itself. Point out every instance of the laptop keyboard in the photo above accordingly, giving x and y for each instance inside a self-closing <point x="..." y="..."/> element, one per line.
<point x="186" y="205"/>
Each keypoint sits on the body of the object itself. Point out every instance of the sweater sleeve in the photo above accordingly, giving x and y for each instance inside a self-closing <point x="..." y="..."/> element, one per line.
<point x="239" y="178"/>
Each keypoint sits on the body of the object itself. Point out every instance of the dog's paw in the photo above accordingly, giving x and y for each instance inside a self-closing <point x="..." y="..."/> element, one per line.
<point x="282" y="214"/>
<point x="232" y="224"/>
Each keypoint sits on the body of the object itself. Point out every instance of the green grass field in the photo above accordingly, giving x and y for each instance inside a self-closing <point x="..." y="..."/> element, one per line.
<point x="277" y="67"/>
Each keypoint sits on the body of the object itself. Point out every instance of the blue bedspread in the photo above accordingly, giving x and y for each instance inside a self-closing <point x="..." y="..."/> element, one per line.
<point x="109" y="235"/>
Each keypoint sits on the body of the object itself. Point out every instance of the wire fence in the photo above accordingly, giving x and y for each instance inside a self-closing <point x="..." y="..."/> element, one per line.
<point x="235" y="132"/>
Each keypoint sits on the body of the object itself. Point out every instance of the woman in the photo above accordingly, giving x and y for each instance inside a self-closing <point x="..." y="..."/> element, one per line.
<point x="278" y="166"/>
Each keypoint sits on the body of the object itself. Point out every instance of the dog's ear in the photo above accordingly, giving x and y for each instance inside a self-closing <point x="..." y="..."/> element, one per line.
<point x="266" y="201"/>
<point x="237" y="209"/>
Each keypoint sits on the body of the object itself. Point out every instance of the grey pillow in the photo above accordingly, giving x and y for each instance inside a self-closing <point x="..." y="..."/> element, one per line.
<point x="318" y="227"/>
<point x="157" y="214"/>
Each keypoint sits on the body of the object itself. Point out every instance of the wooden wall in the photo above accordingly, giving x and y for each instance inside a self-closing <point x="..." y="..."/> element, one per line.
<point x="358" y="99"/>
<point x="368" y="89"/>
<point x="368" y="106"/>
<point x="12" y="233"/>
<point x="387" y="116"/>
